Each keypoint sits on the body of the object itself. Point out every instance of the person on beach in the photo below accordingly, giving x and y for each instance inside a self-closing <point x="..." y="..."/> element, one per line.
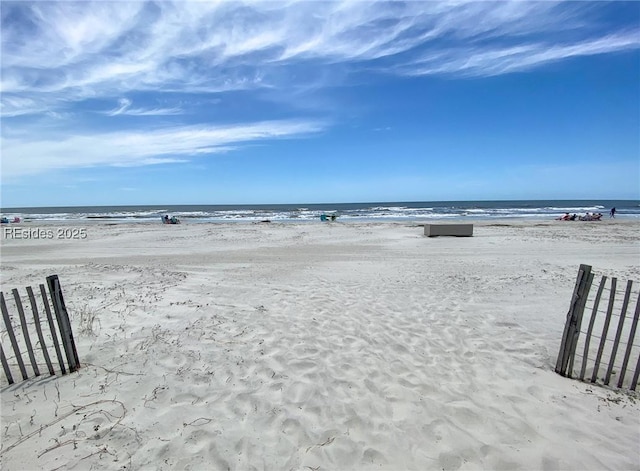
<point x="612" y="213"/>
<point x="591" y="217"/>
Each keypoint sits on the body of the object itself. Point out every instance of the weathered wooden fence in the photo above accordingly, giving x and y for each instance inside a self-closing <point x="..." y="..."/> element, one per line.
<point x="20" y="329"/>
<point x="602" y="347"/>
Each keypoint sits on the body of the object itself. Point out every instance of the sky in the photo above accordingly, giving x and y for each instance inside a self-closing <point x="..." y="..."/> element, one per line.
<point x="259" y="102"/>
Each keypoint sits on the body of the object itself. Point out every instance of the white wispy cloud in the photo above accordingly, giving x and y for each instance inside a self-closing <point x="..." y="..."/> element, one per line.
<point x="16" y="105"/>
<point x="89" y="48"/>
<point x="31" y="153"/>
<point x="514" y="58"/>
<point x="124" y="108"/>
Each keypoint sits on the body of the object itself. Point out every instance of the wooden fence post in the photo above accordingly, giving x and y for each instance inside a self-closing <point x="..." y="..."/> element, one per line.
<point x="632" y="334"/>
<point x="605" y="329"/>
<point x="574" y="320"/>
<point x="25" y="332"/>
<point x="580" y="305"/>
<point x="36" y="319"/>
<point x="64" y="322"/>
<point x="634" y="381"/>
<point x="5" y="366"/>
<point x="52" y="327"/>
<point x="12" y="336"/>
<point x="592" y="321"/>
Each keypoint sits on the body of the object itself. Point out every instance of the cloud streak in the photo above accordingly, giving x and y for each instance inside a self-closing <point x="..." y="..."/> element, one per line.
<point x="40" y="154"/>
<point x="88" y="48"/>
<point x="510" y="59"/>
<point x="124" y="108"/>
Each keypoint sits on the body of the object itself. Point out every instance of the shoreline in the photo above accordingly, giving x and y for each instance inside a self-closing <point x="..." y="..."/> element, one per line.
<point x="350" y="220"/>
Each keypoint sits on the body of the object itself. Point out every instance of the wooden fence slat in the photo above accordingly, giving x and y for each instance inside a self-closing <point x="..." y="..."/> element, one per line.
<point x="36" y="318"/>
<point x="592" y="322"/>
<point x="5" y="366"/>
<point x="616" y="342"/>
<point x="632" y="335"/>
<point x="560" y="368"/>
<point x="580" y="305"/>
<point x="570" y="335"/>
<point x="12" y="336"/>
<point x="605" y="329"/>
<point x="634" y="381"/>
<point x="64" y="322"/>
<point x="25" y="332"/>
<point x="52" y="327"/>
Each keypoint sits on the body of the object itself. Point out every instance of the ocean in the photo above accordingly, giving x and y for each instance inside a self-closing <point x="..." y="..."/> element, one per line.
<point x="389" y="211"/>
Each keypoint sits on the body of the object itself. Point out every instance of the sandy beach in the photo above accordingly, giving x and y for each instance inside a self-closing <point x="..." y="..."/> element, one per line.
<point x="319" y="346"/>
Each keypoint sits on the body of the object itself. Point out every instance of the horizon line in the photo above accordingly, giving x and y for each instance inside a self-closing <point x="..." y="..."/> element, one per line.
<point x="317" y="204"/>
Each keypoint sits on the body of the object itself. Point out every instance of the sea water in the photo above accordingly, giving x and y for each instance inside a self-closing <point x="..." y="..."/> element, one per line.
<point x="389" y="211"/>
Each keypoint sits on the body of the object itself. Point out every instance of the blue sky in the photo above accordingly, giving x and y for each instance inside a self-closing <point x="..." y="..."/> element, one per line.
<point x="113" y="103"/>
